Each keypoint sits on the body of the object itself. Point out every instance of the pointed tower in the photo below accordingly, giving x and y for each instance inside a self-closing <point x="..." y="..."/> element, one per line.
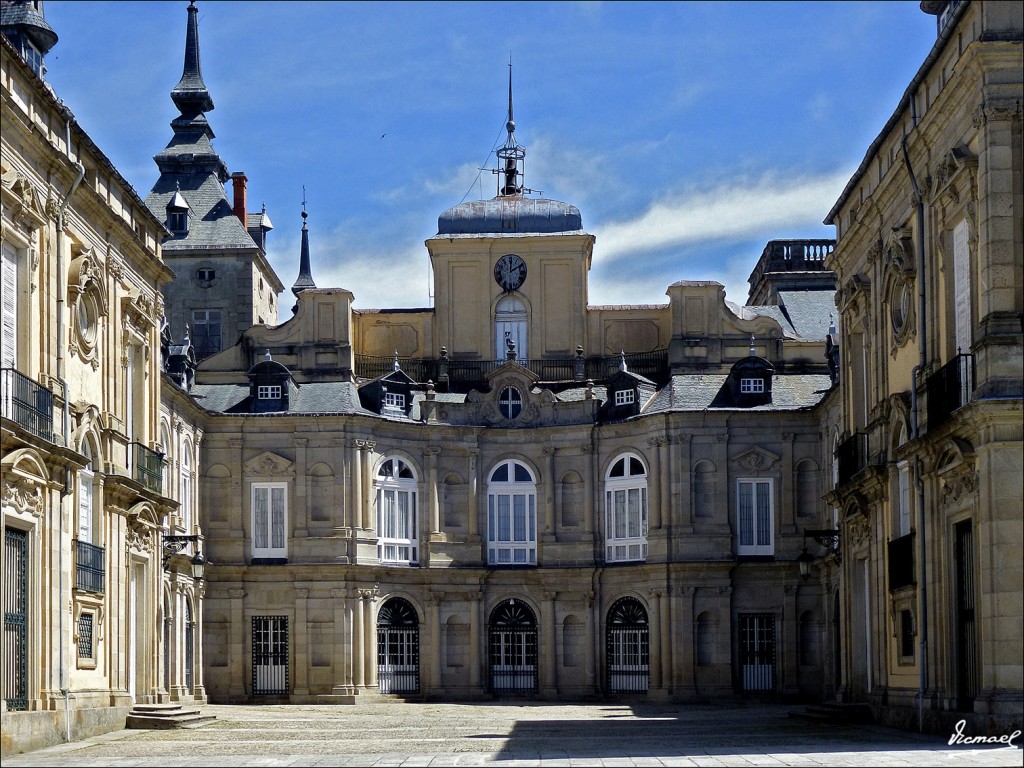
<point x="223" y="282"/>
<point x="24" y="24"/>
<point x="305" y="278"/>
<point x="512" y="155"/>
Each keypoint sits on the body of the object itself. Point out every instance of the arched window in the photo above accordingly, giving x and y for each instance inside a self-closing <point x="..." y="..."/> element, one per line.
<point x="396" y="513"/>
<point x="626" y="510"/>
<point x="903" y="511"/>
<point x="509" y="326"/>
<point x="629" y="657"/>
<point x="185" y="511"/>
<point x="398" y="647"/>
<point x="511" y="515"/>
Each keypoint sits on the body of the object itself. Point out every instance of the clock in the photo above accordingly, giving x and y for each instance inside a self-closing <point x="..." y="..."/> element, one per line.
<point x="510" y="272"/>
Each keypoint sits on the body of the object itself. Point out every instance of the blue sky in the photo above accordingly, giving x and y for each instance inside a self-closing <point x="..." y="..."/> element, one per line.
<point x="688" y="134"/>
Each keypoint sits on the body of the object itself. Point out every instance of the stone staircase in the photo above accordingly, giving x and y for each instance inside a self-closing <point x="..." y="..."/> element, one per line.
<point x="835" y="714"/>
<point x="166" y="716"/>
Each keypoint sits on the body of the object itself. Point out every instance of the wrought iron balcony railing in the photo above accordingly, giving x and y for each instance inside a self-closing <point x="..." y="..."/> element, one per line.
<point x="949" y="389"/>
<point x="147" y="467"/>
<point x="852" y="456"/>
<point x="27" y="403"/>
<point x="89" y="571"/>
<point x="901" y="562"/>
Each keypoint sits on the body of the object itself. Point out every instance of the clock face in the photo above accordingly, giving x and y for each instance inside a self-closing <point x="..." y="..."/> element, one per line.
<point x="510" y="272"/>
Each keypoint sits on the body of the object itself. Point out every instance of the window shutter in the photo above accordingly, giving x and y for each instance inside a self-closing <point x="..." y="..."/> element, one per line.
<point x="85" y="506"/>
<point x="962" y="288"/>
<point x="9" y="341"/>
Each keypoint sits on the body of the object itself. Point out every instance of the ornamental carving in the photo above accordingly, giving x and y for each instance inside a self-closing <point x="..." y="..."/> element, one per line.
<point x="139" y="540"/>
<point x="26" y="204"/>
<point x="858" y="531"/>
<point x="959" y="486"/>
<point x="269" y="464"/>
<point x="22" y="495"/>
<point x="756" y="460"/>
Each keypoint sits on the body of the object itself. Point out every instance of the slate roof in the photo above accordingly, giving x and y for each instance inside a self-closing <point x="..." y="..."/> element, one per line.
<point x="809" y="311"/>
<point x="775" y="313"/>
<point x="696" y="392"/>
<point x="510" y="215"/>
<point x="315" y="397"/>
<point x="212" y="222"/>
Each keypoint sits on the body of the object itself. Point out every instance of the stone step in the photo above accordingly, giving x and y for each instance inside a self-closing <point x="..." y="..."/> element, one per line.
<point x="166" y="716"/>
<point x="835" y="714"/>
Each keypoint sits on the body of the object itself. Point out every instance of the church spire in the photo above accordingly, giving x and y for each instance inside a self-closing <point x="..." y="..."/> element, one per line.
<point x="305" y="279"/>
<point x="511" y="156"/>
<point x="190" y="95"/>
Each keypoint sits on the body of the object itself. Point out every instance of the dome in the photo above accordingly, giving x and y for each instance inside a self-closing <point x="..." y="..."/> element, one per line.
<point x="512" y="214"/>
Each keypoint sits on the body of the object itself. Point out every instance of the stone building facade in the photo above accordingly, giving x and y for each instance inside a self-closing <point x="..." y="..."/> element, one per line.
<point x="929" y="256"/>
<point x="82" y="493"/>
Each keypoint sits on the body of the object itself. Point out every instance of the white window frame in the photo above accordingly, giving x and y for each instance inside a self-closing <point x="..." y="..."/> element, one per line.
<point x="269" y="534"/>
<point x="268" y="392"/>
<point x="394" y="401"/>
<point x="511" y="517"/>
<point x="185" y="510"/>
<point x="625" y="397"/>
<point x="755" y="516"/>
<point x="903" y="509"/>
<point x="752" y="386"/>
<point x="10" y="289"/>
<point x="626" y="515"/>
<point x="397" y="513"/>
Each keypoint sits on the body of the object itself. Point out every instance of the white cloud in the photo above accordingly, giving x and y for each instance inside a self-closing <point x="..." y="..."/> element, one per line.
<point x="726" y="213"/>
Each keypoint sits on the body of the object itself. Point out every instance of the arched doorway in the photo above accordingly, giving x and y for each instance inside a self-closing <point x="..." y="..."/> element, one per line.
<point x="398" y="647"/>
<point x="628" y="647"/>
<point x="512" y="644"/>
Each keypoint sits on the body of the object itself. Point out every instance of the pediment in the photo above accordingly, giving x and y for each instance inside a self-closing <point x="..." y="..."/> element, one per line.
<point x="756" y="460"/>
<point x="269" y="464"/>
<point x="26" y="204"/>
<point x="512" y="370"/>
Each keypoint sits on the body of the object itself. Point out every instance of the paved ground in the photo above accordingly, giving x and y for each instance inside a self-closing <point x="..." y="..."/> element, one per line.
<point x="511" y="734"/>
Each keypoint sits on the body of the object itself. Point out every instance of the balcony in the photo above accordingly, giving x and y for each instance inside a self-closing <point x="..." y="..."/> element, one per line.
<point x="147" y="467"/>
<point x="949" y="389"/>
<point x="852" y="456"/>
<point x="465" y="374"/>
<point x="27" y="403"/>
<point x="901" y="562"/>
<point x="88" y="567"/>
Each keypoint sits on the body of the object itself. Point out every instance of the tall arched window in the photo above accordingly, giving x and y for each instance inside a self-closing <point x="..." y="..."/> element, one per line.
<point x="511" y="515"/>
<point x="86" y="492"/>
<point x="903" y="511"/>
<point x="396" y="513"/>
<point x="398" y="647"/>
<point x="509" y="325"/>
<point x="626" y="510"/>
<point x="185" y="511"/>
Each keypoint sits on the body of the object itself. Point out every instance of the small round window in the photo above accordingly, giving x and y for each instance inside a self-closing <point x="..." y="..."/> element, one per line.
<point x="899" y="308"/>
<point x="206" y="277"/>
<point x="510" y="402"/>
<point x="87" y="319"/>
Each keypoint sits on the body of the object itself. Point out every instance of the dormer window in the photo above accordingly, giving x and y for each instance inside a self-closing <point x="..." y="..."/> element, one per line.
<point x="394" y="401"/>
<point x="271" y="392"/>
<point x="625" y="397"/>
<point x="177" y="214"/>
<point x="33" y="58"/>
<point x="751" y="386"/>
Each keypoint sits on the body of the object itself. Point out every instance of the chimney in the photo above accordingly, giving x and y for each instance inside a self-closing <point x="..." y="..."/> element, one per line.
<point x="240" y="182"/>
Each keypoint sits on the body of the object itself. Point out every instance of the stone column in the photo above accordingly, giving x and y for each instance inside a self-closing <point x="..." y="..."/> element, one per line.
<point x="680" y="460"/>
<point x="592" y="630"/>
<point x="369" y="639"/>
<point x="341" y="684"/>
<point x="666" y="623"/>
<point x="549" y="646"/>
<point x="301" y="687"/>
<point x="242" y="525"/>
<point x="301" y="504"/>
<point x="548" y="526"/>
<point x="358" y="649"/>
<point x="654" y="623"/>
<point x="476" y="655"/>
<point x="353" y="517"/>
<point x="434" y="599"/>
<point x="473" y="524"/>
<point x="366" y="482"/>
<point x="198" y="684"/>
<point x="236" y="646"/>
<point x="682" y="601"/>
<point x="657" y="479"/>
<point x="433" y="508"/>
<point x="589" y="461"/>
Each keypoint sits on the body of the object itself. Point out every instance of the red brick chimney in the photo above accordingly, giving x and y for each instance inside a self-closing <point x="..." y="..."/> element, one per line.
<point x="240" y="182"/>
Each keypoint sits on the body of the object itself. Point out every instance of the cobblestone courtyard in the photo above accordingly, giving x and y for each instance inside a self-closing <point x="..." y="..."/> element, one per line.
<point x="514" y="734"/>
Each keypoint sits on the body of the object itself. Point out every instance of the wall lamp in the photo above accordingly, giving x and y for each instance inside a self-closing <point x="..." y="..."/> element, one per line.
<point x="823" y="537"/>
<point x="173" y="544"/>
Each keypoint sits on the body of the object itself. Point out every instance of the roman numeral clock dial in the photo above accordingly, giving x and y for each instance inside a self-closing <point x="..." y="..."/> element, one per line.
<point x="510" y="272"/>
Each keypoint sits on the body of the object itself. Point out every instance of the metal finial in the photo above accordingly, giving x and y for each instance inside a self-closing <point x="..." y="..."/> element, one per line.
<point x="511" y="124"/>
<point x="622" y="361"/>
<point x="753" y="350"/>
<point x="397" y="366"/>
<point x="266" y="356"/>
